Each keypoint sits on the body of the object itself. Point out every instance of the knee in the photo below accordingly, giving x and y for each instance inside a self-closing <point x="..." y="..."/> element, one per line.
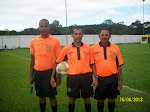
<point x="53" y="98"/>
<point x="42" y="99"/>
<point x="87" y="100"/>
<point x="101" y="101"/>
<point x="111" y="100"/>
<point x="72" y="100"/>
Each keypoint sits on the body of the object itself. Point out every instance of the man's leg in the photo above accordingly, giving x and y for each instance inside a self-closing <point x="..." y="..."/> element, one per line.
<point x="100" y="105"/>
<point x="111" y="105"/>
<point x="42" y="101"/>
<point x="53" y="103"/>
<point x="87" y="104"/>
<point x="72" y="104"/>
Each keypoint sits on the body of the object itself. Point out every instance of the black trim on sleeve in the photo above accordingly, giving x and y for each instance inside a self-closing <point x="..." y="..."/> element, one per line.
<point x="65" y="58"/>
<point x="117" y="63"/>
<point x="120" y="65"/>
<point x="92" y="64"/>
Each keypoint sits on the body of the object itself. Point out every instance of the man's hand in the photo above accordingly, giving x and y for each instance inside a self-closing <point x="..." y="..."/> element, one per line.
<point x="119" y="84"/>
<point x="58" y="81"/>
<point x="31" y="80"/>
<point x="95" y="83"/>
<point x="52" y="81"/>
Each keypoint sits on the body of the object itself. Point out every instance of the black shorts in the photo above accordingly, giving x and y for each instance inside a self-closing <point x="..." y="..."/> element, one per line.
<point x="107" y="87"/>
<point x="77" y="83"/>
<point x="42" y="83"/>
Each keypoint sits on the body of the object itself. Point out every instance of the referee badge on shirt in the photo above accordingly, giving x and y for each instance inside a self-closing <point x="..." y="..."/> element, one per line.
<point x="86" y="54"/>
<point x="113" y="55"/>
<point x="48" y="48"/>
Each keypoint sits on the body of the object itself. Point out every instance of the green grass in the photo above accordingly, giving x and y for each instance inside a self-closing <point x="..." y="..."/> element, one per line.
<point x="15" y="87"/>
<point x="136" y="68"/>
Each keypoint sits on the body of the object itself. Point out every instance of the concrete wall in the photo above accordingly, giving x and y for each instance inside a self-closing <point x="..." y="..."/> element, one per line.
<point x="23" y="41"/>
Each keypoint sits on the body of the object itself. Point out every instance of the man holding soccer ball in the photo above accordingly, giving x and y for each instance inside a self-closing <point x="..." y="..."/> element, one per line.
<point x="79" y="75"/>
<point x="44" y="50"/>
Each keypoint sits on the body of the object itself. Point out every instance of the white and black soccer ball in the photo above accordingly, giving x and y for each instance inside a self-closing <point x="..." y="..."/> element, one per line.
<point x="62" y="68"/>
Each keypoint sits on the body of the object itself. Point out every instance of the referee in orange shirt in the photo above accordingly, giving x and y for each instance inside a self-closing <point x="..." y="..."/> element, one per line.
<point x="107" y="64"/>
<point x="79" y="75"/>
<point x="44" y="50"/>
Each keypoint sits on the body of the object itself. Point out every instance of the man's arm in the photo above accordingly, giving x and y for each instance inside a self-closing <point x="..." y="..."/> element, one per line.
<point x="95" y="81"/>
<point x="52" y="81"/>
<point x="31" y="68"/>
<point x="119" y="77"/>
<point x="58" y="80"/>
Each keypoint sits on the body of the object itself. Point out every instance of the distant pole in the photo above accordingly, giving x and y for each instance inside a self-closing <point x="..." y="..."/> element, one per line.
<point x="143" y="17"/>
<point x="66" y="22"/>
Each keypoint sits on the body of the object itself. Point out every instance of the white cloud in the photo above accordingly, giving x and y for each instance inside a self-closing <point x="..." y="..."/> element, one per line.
<point x="139" y="16"/>
<point x="107" y="13"/>
<point x="15" y="27"/>
<point x="112" y="11"/>
<point x="24" y="13"/>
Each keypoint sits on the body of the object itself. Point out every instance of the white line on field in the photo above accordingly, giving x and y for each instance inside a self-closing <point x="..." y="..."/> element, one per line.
<point x="139" y="91"/>
<point x="18" y="56"/>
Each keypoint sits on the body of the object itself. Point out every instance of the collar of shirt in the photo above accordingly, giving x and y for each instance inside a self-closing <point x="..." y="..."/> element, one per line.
<point x="75" y="46"/>
<point x="47" y="37"/>
<point x="100" y="44"/>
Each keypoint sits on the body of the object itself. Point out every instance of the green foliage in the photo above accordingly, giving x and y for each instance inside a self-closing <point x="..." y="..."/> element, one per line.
<point x="109" y="22"/>
<point x="30" y="31"/>
<point x="136" y="28"/>
<point x="15" y="87"/>
<point x="4" y="32"/>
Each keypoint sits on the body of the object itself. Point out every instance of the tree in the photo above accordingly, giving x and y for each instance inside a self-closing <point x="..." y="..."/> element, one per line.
<point x="13" y="32"/>
<point x="135" y="24"/>
<point x="56" y="23"/>
<point x="137" y="27"/>
<point x="30" y="31"/>
<point x="109" y="22"/>
<point x="147" y="27"/>
<point x="55" y="27"/>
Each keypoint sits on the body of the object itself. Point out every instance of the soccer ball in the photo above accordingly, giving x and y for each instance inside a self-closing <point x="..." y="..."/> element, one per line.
<point x="62" y="68"/>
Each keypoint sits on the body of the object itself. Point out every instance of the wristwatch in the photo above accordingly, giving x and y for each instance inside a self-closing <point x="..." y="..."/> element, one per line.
<point x="96" y="76"/>
<point x="60" y="76"/>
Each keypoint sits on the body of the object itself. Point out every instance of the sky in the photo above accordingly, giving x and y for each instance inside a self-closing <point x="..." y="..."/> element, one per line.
<point x="20" y="14"/>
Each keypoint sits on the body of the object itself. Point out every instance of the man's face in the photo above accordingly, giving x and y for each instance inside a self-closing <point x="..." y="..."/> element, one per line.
<point x="77" y="35"/>
<point x="44" y="27"/>
<point x="104" y="36"/>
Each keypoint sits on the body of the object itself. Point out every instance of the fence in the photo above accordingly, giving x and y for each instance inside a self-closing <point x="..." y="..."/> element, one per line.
<point x="23" y="41"/>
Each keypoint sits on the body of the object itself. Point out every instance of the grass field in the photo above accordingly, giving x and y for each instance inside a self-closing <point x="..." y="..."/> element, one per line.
<point x="15" y="87"/>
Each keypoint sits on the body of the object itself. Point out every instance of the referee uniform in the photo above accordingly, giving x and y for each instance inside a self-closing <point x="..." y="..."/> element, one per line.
<point x="79" y="75"/>
<point x="45" y="52"/>
<point x="106" y="59"/>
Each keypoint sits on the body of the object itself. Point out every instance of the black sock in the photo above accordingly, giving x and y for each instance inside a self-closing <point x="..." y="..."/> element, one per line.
<point x="88" y="107"/>
<point x="111" y="106"/>
<point x="100" y="107"/>
<point x="42" y="106"/>
<point x="54" y="108"/>
<point x="71" y="107"/>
